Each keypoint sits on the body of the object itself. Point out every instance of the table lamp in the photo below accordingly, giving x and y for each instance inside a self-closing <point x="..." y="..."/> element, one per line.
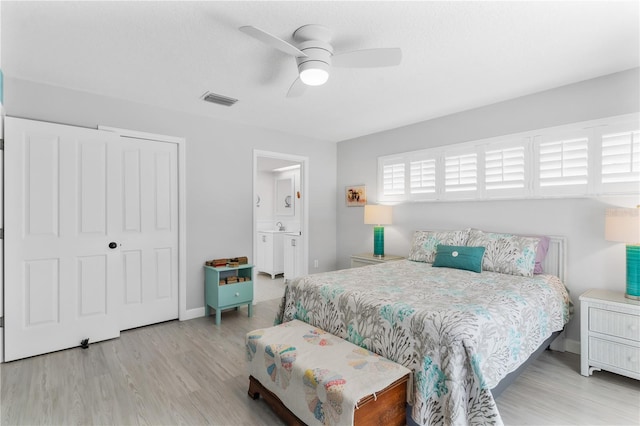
<point x="623" y="225"/>
<point x="377" y="215"/>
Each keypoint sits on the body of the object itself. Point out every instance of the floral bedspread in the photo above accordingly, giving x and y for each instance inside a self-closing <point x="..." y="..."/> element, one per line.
<point x="460" y="332"/>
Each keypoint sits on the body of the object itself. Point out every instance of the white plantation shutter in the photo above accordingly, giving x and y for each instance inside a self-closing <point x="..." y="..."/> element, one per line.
<point x="461" y="173"/>
<point x="393" y="179"/>
<point x="621" y="157"/>
<point x="422" y="176"/>
<point x="564" y="162"/>
<point x="585" y="159"/>
<point x="504" y="168"/>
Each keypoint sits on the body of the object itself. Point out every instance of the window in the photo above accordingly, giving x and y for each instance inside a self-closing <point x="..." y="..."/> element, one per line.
<point x="461" y="173"/>
<point x="580" y="159"/>
<point x="564" y="162"/>
<point x="422" y="176"/>
<point x="504" y="168"/>
<point x="393" y="179"/>
<point x="621" y="157"/>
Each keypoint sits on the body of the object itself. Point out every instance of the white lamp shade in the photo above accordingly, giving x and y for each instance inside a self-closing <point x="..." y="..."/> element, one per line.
<point x="377" y="215"/>
<point x="622" y="225"/>
<point x="314" y="73"/>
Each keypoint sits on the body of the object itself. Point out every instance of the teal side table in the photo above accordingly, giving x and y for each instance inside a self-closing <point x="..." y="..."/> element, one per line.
<point x="227" y="296"/>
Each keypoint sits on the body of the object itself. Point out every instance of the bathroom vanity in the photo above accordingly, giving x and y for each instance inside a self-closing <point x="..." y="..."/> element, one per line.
<point x="292" y="255"/>
<point x="270" y="258"/>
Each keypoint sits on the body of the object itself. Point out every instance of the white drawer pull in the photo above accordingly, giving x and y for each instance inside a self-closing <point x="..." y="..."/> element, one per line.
<point x="237" y="294"/>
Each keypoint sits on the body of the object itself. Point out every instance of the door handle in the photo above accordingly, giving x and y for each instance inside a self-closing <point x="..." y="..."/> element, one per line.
<point x="113" y="245"/>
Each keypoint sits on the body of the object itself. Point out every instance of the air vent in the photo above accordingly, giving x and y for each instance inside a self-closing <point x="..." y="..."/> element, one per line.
<point x="214" y="98"/>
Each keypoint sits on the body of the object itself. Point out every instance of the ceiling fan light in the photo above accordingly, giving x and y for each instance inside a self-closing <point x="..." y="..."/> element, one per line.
<point x="314" y="73"/>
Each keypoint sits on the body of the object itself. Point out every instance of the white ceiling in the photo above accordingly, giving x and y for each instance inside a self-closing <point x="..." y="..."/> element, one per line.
<point x="456" y="55"/>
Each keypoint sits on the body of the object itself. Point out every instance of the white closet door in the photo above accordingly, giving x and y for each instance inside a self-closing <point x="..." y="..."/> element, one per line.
<point x="59" y="271"/>
<point x="91" y="234"/>
<point x="145" y="227"/>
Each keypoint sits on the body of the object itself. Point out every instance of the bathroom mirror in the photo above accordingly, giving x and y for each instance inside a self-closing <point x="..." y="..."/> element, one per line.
<point x="285" y="200"/>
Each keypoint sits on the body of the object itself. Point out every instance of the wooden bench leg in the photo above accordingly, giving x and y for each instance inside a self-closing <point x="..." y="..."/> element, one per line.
<point x="256" y="389"/>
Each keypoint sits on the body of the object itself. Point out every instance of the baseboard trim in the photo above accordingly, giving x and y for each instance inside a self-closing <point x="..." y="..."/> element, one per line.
<point x="193" y="313"/>
<point x="572" y="346"/>
<point x="562" y="344"/>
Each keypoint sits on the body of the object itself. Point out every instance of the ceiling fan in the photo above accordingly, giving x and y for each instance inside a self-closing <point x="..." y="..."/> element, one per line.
<point x="314" y="55"/>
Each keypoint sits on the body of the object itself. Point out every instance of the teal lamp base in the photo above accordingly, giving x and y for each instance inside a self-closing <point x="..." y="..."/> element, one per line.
<point x="633" y="272"/>
<point x="378" y="241"/>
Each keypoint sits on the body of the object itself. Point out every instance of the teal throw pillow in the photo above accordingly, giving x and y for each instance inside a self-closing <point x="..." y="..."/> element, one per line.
<point x="459" y="257"/>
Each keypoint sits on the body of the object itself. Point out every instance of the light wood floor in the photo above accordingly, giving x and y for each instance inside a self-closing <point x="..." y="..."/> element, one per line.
<point x="193" y="372"/>
<point x="266" y="289"/>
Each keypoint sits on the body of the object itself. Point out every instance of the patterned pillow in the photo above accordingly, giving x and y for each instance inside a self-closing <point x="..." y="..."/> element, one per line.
<point x="423" y="246"/>
<point x="506" y="253"/>
<point x="541" y="253"/>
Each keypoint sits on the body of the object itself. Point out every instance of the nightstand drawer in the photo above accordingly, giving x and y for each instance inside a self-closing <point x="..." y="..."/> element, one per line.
<point x="615" y="324"/>
<point x="614" y="354"/>
<point x="232" y="294"/>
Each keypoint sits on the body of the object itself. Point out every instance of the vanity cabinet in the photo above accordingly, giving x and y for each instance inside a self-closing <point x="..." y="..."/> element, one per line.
<point x="292" y="256"/>
<point x="270" y="253"/>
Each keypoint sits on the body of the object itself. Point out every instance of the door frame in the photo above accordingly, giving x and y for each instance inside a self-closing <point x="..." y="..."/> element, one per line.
<point x="183" y="314"/>
<point x="304" y="164"/>
<point x="2" y="115"/>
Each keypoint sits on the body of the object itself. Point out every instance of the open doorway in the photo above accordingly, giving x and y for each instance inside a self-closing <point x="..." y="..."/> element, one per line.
<point x="280" y="216"/>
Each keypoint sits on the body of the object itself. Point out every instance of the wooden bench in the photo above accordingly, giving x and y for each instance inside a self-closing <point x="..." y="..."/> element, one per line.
<point x="309" y="376"/>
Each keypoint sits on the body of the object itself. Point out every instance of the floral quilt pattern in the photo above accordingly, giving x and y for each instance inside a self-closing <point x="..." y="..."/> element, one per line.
<point x="459" y="332"/>
<point x="319" y="377"/>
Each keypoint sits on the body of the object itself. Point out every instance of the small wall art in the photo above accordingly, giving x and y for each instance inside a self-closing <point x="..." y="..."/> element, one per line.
<point x="356" y="195"/>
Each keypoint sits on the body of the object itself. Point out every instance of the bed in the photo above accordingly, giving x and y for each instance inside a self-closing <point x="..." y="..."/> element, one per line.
<point x="461" y="332"/>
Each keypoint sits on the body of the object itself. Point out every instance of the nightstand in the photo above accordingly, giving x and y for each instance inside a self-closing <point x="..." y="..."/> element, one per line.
<point x="227" y="287"/>
<point x="609" y="333"/>
<point x="364" y="259"/>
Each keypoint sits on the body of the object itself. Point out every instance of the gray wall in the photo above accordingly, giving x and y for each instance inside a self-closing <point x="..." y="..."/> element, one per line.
<point x="592" y="261"/>
<point x="219" y="176"/>
<point x="219" y="170"/>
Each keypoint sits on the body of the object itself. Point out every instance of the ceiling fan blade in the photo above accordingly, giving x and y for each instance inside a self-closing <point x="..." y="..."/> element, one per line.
<point x="296" y="89"/>
<point x="367" y="58"/>
<point x="272" y="41"/>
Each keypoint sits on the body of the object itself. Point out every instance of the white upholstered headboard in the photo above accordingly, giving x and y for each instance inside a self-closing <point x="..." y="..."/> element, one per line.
<point x="555" y="263"/>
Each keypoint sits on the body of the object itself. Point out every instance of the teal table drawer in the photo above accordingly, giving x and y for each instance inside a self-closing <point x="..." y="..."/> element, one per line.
<point x="233" y="294"/>
<point x="227" y="296"/>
